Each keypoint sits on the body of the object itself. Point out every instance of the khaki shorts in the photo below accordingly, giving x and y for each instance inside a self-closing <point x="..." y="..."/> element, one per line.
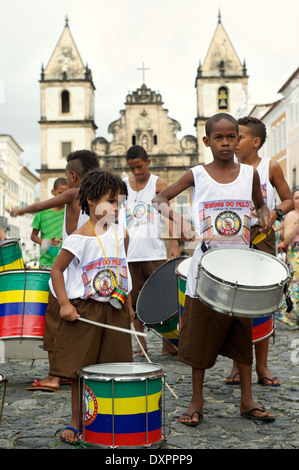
<point x="79" y="344"/>
<point x="52" y="321"/>
<point x="205" y="334"/>
<point x="140" y="271"/>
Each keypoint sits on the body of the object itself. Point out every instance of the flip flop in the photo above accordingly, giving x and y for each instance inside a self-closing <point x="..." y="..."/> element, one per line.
<point x="139" y="353"/>
<point x="37" y="386"/>
<point x="67" y="441"/>
<point x="261" y="381"/>
<point x="247" y="414"/>
<point x="234" y="382"/>
<point x="192" y="423"/>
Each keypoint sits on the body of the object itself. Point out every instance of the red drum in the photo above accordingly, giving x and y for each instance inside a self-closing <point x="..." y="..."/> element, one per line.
<point x="262" y="328"/>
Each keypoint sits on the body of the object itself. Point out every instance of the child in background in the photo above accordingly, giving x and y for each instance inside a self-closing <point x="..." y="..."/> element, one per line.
<point x="95" y="259"/>
<point x="206" y="333"/>
<point x="47" y="227"/>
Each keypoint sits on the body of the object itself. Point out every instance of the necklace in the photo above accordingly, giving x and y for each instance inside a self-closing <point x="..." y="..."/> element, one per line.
<point x="113" y="281"/>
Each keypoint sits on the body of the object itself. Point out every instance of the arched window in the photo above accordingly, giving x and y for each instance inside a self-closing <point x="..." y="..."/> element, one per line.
<point x="65" y="102"/>
<point x="223" y="98"/>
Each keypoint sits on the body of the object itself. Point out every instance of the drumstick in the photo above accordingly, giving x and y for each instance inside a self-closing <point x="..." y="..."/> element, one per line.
<point x="124" y="330"/>
<point x="148" y="359"/>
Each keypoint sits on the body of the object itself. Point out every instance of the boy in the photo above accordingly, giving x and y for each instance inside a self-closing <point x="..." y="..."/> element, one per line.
<point x="143" y="223"/>
<point x="78" y="163"/>
<point x="49" y="224"/>
<point x="252" y="133"/>
<point x="206" y="333"/>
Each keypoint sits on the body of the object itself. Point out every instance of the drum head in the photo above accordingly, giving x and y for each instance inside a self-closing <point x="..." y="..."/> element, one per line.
<point x="118" y="370"/>
<point x="158" y="299"/>
<point x="9" y="241"/>
<point x="245" y="267"/>
<point x="182" y="267"/>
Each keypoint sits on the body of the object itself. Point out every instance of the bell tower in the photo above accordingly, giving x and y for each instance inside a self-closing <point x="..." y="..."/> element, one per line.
<point x="67" y="109"/>
<point x="221" y="84"/>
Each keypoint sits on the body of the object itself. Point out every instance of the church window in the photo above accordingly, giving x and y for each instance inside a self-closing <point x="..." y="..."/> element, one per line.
<point x="155" y="140"/>
<point x="133" y="140"/>
<point x="66" y="148"/>
<point x="65" y="102"/>
<point x="223" y="98"/>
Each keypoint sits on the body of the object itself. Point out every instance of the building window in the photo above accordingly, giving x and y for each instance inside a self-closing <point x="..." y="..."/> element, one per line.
<point x="133" y="140"/>
<point x="283" y="134"/>
<point x="294" y="178"/>
<point x="278" y="137"/>
<point x="222" y="98"/>
<point x="155" y="140"/>
<point x="66" y="148"/>
<point x="273" y="142"/>
<point x="65" y="102"/>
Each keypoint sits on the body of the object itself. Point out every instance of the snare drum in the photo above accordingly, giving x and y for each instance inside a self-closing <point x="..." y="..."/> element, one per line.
<point x="122" y="404"/>
<point x="181" y="271"/>
<point x="239" y="280"/>
<point x="23" y="303"/>
<point x="10" y="255"/>
<point x="157" y="302"/>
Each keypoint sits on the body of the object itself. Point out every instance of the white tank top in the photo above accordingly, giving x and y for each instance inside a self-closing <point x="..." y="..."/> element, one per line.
<point x="82" y="219"/>
<point x="266" y="187"/>
<point x="220" y="213"/>
<point x="91" y="271"/>
<point x="143" y="224"/>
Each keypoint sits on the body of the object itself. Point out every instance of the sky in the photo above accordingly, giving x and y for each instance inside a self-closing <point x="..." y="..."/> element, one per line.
<point x="115" y="37"/>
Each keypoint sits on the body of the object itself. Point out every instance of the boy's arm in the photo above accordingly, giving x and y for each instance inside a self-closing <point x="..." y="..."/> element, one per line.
<point x="259" y="203"/>
<point x="34" y="236"/>
<point x="174" y="250"/>
<point x="129" y="299"/>
<point x="67" y="310"/>
<point x="162" y="205"/>
<point x="278" y="181"/>
<point x="66" y="197"/>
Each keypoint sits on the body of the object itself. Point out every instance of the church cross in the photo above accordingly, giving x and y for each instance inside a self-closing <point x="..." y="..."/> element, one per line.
<point x="143" y="72"/>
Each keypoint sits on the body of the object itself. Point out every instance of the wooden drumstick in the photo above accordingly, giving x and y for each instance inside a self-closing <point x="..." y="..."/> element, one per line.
<point x="103" y="325"/>
<point x="148" y="359"/>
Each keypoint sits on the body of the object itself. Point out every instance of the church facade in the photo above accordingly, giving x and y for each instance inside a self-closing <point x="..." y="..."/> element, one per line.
<point x="67" y="114"/>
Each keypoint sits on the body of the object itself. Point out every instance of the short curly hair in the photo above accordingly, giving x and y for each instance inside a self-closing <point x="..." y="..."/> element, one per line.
<point x="98" y="182"/>
<point x="256" y="127"/>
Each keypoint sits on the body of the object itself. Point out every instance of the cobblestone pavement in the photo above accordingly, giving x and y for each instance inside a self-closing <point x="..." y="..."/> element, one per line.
<point x="34" y="420"/>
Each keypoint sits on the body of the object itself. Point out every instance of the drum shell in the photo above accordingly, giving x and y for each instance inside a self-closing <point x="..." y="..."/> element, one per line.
<point x="182" y="283"/>
<point x="157" y="302"/>
<point x="10" y="255"/>
<point x="239" y="300"/>
<point x="122" y="407"/>
<point x="262" y="328"/>
<point x="23" y="303"/>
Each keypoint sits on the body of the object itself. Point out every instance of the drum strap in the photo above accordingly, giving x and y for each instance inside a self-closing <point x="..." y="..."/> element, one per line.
<point x="204" y="247"/>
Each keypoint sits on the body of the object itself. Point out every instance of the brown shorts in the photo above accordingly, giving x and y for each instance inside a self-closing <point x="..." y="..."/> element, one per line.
<point x="52" y="321"/>
<point x="205" y="334"/>
<point x="140" y="271"/>
<point x="267" y="244"/>
<point x="79" y="344"/>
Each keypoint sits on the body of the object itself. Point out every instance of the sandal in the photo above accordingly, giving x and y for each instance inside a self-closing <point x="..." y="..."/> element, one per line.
<point x="139" y="353"/>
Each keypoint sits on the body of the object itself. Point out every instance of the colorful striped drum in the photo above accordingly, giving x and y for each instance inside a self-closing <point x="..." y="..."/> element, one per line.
<point x="181" y="271"/>
<point x="262" y="328"/>
<point x="122" y="404"/>
<point x="10" y="255"/>
<point x="23" y="303"/>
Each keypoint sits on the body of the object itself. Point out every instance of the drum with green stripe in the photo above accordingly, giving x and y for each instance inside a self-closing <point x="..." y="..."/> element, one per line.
<point x="23" y="302"/>
<point x="181" y="272"/>
<point x="10" y="255"/>
<point x="122" y="404"/>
